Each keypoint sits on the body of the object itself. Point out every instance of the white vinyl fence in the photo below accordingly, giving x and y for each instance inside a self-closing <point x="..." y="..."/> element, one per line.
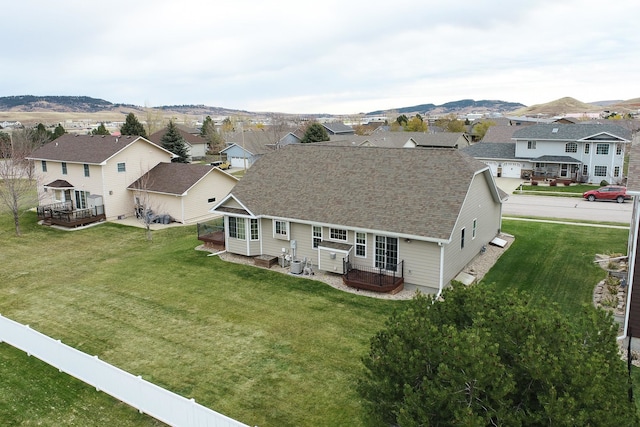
<point x="144" y="396"/>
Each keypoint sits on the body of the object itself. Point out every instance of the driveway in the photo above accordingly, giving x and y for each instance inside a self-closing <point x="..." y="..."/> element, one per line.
<point x="567" y="208"/>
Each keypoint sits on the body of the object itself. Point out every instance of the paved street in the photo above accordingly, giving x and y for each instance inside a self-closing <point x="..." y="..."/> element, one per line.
<point x="567" y="208"/>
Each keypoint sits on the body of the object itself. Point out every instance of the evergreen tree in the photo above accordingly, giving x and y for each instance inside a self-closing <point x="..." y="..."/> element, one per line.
<point x="315" y="132"/>
<point x="174" y="142"/>
<point x="58" y="131"/>
<point x="209" y="132"/>
<point x="132" y="126"/>
<point x="481" y="357"/>
<point x="100" y="130"/>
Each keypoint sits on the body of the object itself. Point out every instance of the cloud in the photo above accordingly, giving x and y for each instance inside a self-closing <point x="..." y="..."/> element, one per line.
<point x="338" y="57"/>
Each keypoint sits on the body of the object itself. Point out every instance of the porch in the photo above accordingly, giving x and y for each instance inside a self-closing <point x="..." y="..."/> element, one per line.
<point x="375" y="279"/>
<point x="63" y="214"/>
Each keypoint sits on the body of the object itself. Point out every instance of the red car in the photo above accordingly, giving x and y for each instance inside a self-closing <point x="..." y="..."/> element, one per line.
<point x="610" y="192"/>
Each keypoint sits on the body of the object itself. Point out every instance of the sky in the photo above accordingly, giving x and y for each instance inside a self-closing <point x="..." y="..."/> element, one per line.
<point x="336" y="57"/>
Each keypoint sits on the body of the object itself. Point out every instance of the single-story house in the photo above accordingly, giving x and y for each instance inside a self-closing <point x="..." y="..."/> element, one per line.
<point x="381" y="217"/>
<point x="185" y="192"/>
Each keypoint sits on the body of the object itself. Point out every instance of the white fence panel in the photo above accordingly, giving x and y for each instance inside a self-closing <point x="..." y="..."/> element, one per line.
<point x="146" y="397"/>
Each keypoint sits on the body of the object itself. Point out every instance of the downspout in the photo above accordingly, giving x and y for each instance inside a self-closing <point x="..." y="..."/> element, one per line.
<point x="441" y="278"/>
<point x="632" y="264"/>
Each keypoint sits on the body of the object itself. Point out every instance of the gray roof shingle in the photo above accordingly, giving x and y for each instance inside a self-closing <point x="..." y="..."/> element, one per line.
<point x="416" y="191"/>
<point x="491" y="150"/>
<point x="569" y="132"/>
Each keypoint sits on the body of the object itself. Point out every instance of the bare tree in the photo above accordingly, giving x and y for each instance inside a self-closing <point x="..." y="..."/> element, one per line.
<point x="18" y="190"/>
<point x="146" y="207"/>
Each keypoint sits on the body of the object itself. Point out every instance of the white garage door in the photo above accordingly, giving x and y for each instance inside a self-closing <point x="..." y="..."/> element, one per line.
<point x="511" y="169"/>
<point x="238" y="162"/>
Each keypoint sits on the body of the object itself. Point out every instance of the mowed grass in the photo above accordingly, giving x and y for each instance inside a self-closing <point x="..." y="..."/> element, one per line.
<point x="262" y="347"/>
<point x="258" y="346"/>
<point x="555" y="260"/>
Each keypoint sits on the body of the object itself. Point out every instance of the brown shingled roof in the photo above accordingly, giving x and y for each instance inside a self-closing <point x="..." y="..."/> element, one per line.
<point x="189" y="138"/>
<point x="414" y="191"/>
<point x="92" y="149"/>
<point x="172" y="178"/>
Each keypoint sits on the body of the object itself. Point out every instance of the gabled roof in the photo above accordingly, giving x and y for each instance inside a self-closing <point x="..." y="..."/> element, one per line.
<point x="338" y="128"/>
<point x="500" y="134"/>
<point x="440" y="139"/>
<point x="577" y="132"/>
<point x="87" y="148"/>
<point x="173" y="178"/>
<point x="417" y="191"/>
<point x="189" y="138"/>
<point x="492" y="150"/>
<point x="59" y="183"/>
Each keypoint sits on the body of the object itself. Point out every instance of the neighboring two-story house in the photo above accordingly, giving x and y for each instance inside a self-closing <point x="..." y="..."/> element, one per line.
<point x="417" y="216"/>
<point x="578" y="152"/>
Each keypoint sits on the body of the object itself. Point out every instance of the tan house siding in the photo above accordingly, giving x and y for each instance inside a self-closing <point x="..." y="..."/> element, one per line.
<point x="215" y="185"/>
<point x="138" y="159"/>
<point x="421" y="265"/>
<point x="487" y="214"/>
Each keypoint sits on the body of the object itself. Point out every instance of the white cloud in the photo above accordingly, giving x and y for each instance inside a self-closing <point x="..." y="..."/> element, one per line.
<point x="335" y="56"/>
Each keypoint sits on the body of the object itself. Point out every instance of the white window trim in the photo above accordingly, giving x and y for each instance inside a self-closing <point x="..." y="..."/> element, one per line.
<point x="313" y="236"/>
<point x="356" y="244"/>
<point x="250" y="230"/>
<point x="287" y="230"/>
<point x="346" y="234"/>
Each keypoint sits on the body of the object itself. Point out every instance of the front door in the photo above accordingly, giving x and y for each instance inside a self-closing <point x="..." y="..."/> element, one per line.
<point x="387" y="253"/>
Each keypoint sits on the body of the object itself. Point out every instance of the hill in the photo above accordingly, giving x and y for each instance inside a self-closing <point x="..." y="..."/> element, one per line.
<point x="457" y="107"/>
<point x="568" y="105"/>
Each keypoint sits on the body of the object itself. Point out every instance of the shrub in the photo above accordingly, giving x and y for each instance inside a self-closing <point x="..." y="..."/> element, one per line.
<point x="534" y="182"/>
<point x="553" y="183"/>
<point x="603" y="183"/>
<point x="567" y="183"/>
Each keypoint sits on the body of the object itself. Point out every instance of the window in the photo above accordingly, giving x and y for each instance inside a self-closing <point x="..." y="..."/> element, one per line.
<point x="462" y="239"/>
<point x="86" y="169"/>
<point x="616" y="171"/>
<point x="361" y="244"/>
<point x="316" y="235"/>
<point x="602" y="149"/>
<point x="531" y="145"/>
<point x="571" y="147"/>
<point x="122" y="167"/>
<point x="600" y="171"/>
<point x="255" y="235"/>
<point x="236" y="228"/>
<point x="44" y="166"/>
<point x="475" y="227"/>
<point x="585" y="170"/>
<point x="64" y="168"/>
<point x="586" y="148"/>
<point x="211" y="199"/>
<point x="618" y="149"/>
<point x="338" y="234"/>
<point x="280" y="228"/>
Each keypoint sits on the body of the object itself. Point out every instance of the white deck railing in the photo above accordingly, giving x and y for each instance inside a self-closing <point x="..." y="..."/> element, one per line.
<point x="144" y="396"/>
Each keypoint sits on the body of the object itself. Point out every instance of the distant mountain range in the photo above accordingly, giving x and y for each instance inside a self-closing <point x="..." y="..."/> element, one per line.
<point x="85" y="104"/>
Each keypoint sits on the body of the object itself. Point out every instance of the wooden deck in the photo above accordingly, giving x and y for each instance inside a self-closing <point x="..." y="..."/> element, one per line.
<point x="214" y="240"/>
<point x="373" y="281"/>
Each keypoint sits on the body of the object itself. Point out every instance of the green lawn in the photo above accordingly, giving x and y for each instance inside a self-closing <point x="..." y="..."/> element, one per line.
<point x="261" y="347"/>
<point x="555" y="260"/>
<point x="567" y="191"/>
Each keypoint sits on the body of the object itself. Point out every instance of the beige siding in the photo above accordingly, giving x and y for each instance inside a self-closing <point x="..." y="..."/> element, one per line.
<point x="138" y="159"/>
<point x="232" y="203"/>
<point x="421" y="264"/>
<point x="75" y="176"/>
<point x="195" y="204"/>
<point x="479" y="204"/>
